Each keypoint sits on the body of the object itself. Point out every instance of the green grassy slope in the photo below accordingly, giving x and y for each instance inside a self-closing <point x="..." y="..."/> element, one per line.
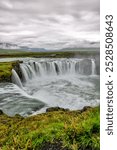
<point x="63" y="130"/>
<point x="3" y="51"/>
<point x="5" y="70"/>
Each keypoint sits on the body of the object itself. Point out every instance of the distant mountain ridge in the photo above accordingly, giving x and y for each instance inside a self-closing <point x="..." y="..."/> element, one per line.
<point x="22" y="48"/>
<point x="9" y="46"/>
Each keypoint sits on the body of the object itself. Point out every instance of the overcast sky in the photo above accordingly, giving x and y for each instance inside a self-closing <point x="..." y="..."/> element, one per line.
<point x="52" y="24"/>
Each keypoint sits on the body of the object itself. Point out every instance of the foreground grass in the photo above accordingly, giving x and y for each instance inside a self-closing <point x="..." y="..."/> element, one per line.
<point x="69" y="130"/>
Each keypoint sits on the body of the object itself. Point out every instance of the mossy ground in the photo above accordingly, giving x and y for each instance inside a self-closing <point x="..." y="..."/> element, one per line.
<point x="63" y="130"/>
<point x="5" y="70"/>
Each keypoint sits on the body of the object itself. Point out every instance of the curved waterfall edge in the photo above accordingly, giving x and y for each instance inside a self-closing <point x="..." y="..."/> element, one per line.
<point x="31" y="69"/>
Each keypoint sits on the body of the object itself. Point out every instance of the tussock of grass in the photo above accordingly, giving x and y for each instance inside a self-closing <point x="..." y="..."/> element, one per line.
<point x="5" y="70"/>
<point x="75" y="130"/>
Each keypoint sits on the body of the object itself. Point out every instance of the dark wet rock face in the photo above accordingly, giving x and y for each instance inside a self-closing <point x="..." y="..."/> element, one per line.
<point x="1" y="112"/>
<point x="16" y="67"/>
<point x="5" y="78"/>
<point x="85" y="108"/>
<point x="56" y="109"/>
<point x="51" y="109"/>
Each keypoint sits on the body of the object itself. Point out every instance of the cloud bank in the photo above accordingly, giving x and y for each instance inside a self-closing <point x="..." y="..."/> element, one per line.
<point x="51" y="24"/>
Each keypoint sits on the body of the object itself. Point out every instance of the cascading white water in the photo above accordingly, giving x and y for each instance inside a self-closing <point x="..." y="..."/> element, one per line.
<point x="93" y="67"/>
<point x="58" y="67"/>
<point x="15" y="78"/>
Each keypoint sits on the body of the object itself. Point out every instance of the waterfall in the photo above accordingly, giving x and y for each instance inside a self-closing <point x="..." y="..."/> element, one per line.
<point x="54" y="67"/>
<point x="15" y="78"/>
<point x="25" y="72"/>
<point x="93" y="67"/>
<point x="35" y="69"/>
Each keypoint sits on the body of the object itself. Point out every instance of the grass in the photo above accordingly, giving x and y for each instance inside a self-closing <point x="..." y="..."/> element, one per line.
<point x="5" y="70"/>
<point x="75" y="130"/>
<point x="62" y="54"/>
<point x="4" y="51"/>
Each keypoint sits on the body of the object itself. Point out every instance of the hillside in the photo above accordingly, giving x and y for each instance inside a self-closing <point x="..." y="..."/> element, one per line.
<point x="10" y="51"/>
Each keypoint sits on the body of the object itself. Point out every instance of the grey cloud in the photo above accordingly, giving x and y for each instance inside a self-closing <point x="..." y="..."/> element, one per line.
<point x="49" y="22"/>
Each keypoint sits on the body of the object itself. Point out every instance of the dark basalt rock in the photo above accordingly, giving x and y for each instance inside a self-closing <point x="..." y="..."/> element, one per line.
<point x="4" y="78"/>
<point x="85" y="108"/>
<point x="51" y="109"/>
<point x="56" y="109"/>
<point x="56" y="145"/>
<point x="16" y="67"/>
<point x="1" y="112"/>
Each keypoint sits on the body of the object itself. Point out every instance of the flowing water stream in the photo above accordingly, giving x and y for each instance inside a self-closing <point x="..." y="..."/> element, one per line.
<point x="68" y="83"/>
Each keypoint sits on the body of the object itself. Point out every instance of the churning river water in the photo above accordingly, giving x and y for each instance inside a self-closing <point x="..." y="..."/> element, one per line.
<point x="68" y="83"/>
